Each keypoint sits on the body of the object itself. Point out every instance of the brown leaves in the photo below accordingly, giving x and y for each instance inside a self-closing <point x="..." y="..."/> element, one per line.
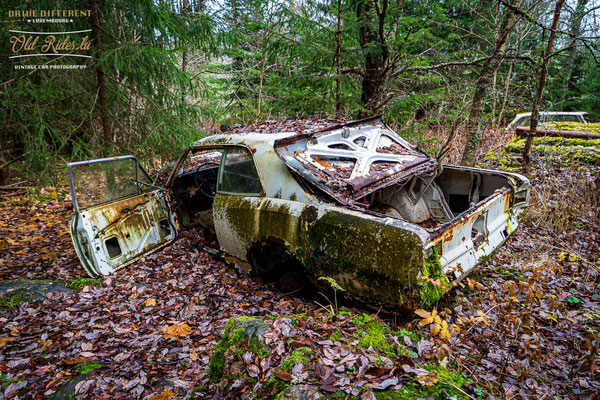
<point x="167" y="394"/>
<point x="150" y="302"/>
<point x="82" y="358"/>
<point x="437" y="325"/>
<point x="35" y="238"/>
<point x="5" y="340"/>
<point x="176" y="331"/>
<point x="519" y="332"/>
<point x="474" y="284"/>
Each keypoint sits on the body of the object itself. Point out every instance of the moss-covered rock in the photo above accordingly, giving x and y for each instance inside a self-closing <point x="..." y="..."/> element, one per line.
<point x="301" y="355"/>
<point x="242" y="334"/>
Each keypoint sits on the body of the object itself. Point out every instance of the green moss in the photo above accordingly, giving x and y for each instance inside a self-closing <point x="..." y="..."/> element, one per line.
<point x="238" y="338"/>
<point x="374" y="262"/>
<point x="373" y="333"/>
<point x="85" y="368"/>
<point x="413" y="335"/>
<point x="301" y="355"/>
<point x="14" y="299"/>
<point x="431" y="291"/>
<point x="337" y="335"/>
<point x="273" y="387"/>
<point x="556" y="149"/>
<point x="445" y="388"/>
<point x="339" y="396"/>
<point x="80" y="283"/>
<point x="5" y="381"/>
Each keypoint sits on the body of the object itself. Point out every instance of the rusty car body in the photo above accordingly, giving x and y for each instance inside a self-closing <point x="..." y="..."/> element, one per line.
<point x="354" y="202"/>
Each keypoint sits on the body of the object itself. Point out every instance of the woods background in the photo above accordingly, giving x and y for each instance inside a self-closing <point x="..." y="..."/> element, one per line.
<point x="164" y="73"/>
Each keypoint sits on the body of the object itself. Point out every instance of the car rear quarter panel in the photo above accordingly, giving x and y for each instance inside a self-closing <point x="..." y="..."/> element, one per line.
<point x="375" y="259"/>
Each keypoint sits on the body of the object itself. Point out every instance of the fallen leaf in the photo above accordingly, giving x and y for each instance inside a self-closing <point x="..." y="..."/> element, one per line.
<point x="4" y="341"/>
<point x="150" y="302"/>
<point x="427" y="380"/>
<point x="167" y="394"/>
<point x="176" y="330"/>
<point x="78" y="360"/>
<point x="284" y="376"/>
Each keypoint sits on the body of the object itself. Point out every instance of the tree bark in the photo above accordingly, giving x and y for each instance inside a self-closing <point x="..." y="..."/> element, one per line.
<point x="572" y="61"/>
<point x="509" y="78"/>
<point x="535" y="112"/>
<point x="262" y="69"/>
<point x="338" y="51"/>
<point x="184" y="58"/>
<point x="375" y="52"/>
<point x="483" y="82"/>
<point x="107" y="134"/>
<point x="260" y="83"/>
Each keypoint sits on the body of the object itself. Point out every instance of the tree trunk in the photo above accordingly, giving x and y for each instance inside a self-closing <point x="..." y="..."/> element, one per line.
<point x="184" y="57"/>
<point x="338" y="51"/>
<point x="260" y="83"/>
<point x="487" y="70"/>
<point x="262" y="69"/>
<point x="572" y="63"/>
<point x="375" y="52"/>
<point x="509" y="78"/>
<point x="107" y="134"/>
<point x="540" y="89"/>
<point x="494" y="80"/>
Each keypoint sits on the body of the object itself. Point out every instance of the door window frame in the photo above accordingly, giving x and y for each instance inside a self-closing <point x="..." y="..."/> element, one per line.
<point x="222" y="147"/>
<point x="70" y="167"/>
<point x="249" y="152"/>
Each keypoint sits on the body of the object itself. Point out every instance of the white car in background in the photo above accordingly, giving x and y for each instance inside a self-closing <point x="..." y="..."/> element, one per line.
<point x="547" y="117"/>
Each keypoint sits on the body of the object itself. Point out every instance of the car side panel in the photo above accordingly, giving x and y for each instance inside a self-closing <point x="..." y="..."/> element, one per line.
<point x="373" y="258"/>
<point x="236" y="224"/>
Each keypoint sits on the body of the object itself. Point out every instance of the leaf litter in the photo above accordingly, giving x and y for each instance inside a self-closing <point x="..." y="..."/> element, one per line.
<point x="524" y="325"/>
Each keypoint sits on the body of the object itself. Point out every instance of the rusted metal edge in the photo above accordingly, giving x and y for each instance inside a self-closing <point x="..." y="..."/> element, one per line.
<point x="469" y="213"/>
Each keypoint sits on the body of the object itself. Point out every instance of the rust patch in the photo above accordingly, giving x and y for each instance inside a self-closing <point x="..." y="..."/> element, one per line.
<point x="445" y="233"/>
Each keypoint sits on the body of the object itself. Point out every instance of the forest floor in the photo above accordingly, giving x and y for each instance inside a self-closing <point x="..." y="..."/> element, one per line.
<point x="524" y="325"/>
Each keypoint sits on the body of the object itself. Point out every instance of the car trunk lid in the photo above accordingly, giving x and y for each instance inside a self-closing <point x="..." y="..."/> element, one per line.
<point x="350" y="161"/>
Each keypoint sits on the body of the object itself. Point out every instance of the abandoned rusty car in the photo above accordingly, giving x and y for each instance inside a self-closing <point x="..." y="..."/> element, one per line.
<point x="353" y="202"/>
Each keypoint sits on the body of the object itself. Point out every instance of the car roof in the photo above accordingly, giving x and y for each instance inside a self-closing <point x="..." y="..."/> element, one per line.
<point x="555" y="113"/>
<point x="345" y="161"/>
<point x="248" y="139"/>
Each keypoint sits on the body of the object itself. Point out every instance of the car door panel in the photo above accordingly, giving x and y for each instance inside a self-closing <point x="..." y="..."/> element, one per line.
<point x="134" y="221"/>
